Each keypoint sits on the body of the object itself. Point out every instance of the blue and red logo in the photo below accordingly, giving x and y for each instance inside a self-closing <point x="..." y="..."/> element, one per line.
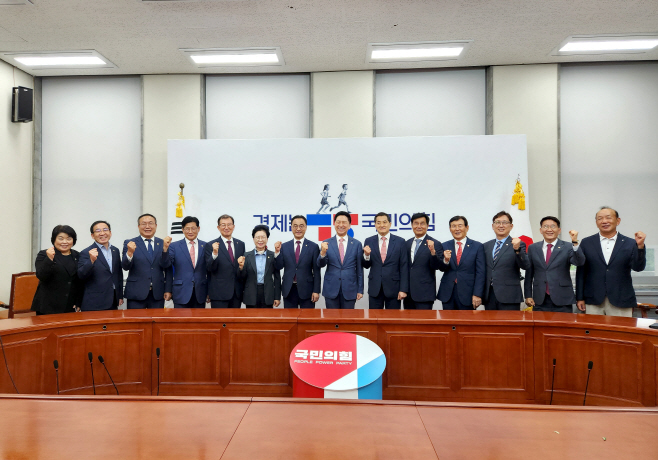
<point x="324" y="223"/>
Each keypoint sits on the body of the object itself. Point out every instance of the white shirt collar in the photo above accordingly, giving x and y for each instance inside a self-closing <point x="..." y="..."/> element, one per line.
<point x="546" y="243"/>
<point x="346" y="237"/>
<point x="294" y="242"/>
<point x="603" y="238"/>
<point x="145" y="240"/>
<point x="225" y="240"/>
<point x="463" y="241"/>
<point x="196" y="241"/>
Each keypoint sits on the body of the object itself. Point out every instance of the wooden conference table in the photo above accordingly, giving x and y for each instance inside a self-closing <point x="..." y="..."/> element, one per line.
<point x="451" y="356"/>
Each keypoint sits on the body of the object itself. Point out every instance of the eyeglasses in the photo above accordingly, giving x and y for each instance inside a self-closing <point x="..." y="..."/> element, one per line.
<point x="260" y="238"/>
<point x="501" y="222"/>
<point x="226" y="225"/>
<point x="299" y="227"/>
<point x="190" y="229"/>
<point x="549" y="227"/>
<point x="101" y="230"/>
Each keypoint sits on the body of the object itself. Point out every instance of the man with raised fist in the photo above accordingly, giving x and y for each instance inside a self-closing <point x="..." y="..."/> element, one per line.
<point x="343" y="280"/>
<point x="386" y="257"/>
<point x="146" y="259"/>
<point x="548" y="284"/>
<point x="221" y="257"/>
<point x="99" y="267"/>
<point x="603" y="284"/>
<point x="190" y="281"/>
<point x="425" y="258"/>
<point x="505" y="257"/>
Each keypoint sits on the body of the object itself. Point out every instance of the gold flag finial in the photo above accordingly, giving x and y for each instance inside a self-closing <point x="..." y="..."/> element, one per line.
<point x="180" y="204"/>
<point x="518" y="197"/>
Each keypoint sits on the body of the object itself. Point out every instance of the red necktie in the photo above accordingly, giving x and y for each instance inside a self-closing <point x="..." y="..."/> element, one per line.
<point x="297" y="251"/>
<point x="341" y="251"/>
<point x="383" y="251"/>
<point x="459" y="252"/>
<point x="230" y="251"/>
<point x="193" y="254"/>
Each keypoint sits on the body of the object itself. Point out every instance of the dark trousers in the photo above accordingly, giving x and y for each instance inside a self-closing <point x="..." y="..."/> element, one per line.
<point x="192" y="303"/>
<point x="494" y="304"/>
<point x="454" y="304"/>
<point x="293" y="300"/>
<point x="149" y="302"/>
<point x="339" y="302"/>
<point x="233" y="303"/>
<point x="548" y="305"/>
<point x="378" y="302"/>
<point x="260" y="298"/>
<point x="411" y="304"/>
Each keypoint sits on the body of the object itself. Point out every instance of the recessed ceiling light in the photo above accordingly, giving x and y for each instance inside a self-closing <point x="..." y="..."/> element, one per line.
<point x="420" y="51"/>
<point x="46" y="60"/>
<point x="220" y="57"/>
<point x="606" y="44"/>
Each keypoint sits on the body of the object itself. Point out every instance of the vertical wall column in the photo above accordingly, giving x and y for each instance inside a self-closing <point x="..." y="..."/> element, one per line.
<point x="343" y="104"/>
<point x="525" y="101"/>
<point x="172" y="109"/>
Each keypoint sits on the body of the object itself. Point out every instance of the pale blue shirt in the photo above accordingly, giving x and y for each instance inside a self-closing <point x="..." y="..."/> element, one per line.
<point x="493" y="251"/>
<point x="107" y="253"/>
<point x="261" y="260"/>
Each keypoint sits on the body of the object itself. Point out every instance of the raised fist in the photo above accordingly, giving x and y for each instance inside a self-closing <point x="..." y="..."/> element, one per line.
<point x="366" y="250"/>
<point x="639" y="239"/>
<point x="574" y="236"/>
<point x="131" y="248"/>
<point x="324" y="248"/>
<point x="530" y="301"/>
<point x="165" y="243"/>
<point x="215" y="248"/>
<point x="241" y="262"/>
<point x="516" y="243"/>
<point x="447" y="254"/>
<point x="50" y="252"/>
<point x="277" y="247"/>
<point x="93" y="255"/>
<point x="167" y="296"/>
<point x="430" y="246"/>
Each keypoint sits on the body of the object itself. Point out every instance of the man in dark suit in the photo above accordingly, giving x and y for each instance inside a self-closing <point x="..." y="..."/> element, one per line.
<point x="221" y="256"/>
<point x="425" y="258"/>
<point x="505" y="257"/>
<point x="463" y="269"/>
<point x="99" y="267"/>
<point x="548" y="284"/>
<point x="262" y="281"/>
<point x="146" y="259"/>
<point x="388" y="280"/>
<point x="299" y="259"/>
<point x="190" y="281"/>
<point x="343" y="280"/>
<point x="603" y="284"/>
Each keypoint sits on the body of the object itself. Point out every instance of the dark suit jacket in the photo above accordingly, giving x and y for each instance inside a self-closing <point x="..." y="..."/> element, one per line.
<point x="307" y="270"/>
<point x="59" y="287"/>
<point x="348" y="275"/>
<point x="422" y="272"/>
<point x="469" y="273"/>
<point x="188" y="277"/>
<point x="596" y="280"/>
<point x="556" y="274"/>
<point x="223" y="275"/>
<point x="271" y="280"/>
<point x="505" y="274"/>
<point x="393" y="274"/>
<point x="145" y="271"/>
<point x="99" y="293"/>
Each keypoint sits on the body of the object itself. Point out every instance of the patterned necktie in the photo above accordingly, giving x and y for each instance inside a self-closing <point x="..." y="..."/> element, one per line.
<point x="193" y="254"/>
<point x="418" y="241"/>
<point x="298" y="249"/>
<point x="341" y="250"/>
<point x="497" y="251"/>
<point x="459" y="252"/>
<point x="383" y="251"/>
<point x="150" y="249"/>
<point x="230" y="251"/>
<point x="549" y="250"/>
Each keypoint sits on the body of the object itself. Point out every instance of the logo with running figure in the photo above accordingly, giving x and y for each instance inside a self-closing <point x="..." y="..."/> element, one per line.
<point x="323" y="217"/>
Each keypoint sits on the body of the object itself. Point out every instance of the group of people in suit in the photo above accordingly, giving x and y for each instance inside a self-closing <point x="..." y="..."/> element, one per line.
<point x="192" y="272"/>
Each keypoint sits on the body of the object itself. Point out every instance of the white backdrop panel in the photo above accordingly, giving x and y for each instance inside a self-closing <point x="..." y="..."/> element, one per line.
<point x="91" y="156"/>
<point x="255" y="180"/>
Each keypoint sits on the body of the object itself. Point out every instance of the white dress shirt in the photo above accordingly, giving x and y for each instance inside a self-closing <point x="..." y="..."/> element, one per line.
<point x="380" y="238"/>
<point x="214" y="256"/>
<point x="294" y="247"/>
<point x="607" y="245"/>
<point x="546" y="243"/>
<point x="413" y="247"/>
<point x="463" y="242"/>
<point x="196" y="248"/>
<point x="346" y="238"/>
<point x="146" y="245"/>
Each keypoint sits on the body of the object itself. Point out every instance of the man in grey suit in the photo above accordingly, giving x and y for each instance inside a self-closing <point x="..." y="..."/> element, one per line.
<point x="505" y="257"/>
<point x="548" y="285"/>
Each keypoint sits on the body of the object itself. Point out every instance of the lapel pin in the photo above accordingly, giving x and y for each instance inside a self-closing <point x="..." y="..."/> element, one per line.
<point x="558" y="247"/>
<point x="468" y="245"/>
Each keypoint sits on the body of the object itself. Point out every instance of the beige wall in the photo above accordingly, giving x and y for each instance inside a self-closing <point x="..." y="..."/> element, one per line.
<point x="171" y="110"/>
<point x="16" y="179"/>
<point x="342" y="104"/>
<point x="525" y="101"/>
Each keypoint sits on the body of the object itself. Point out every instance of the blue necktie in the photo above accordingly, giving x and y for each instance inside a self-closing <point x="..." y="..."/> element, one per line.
<point x="150" y="249"/>
<point x="497" y="250"/>
<point x="418" y="240"/>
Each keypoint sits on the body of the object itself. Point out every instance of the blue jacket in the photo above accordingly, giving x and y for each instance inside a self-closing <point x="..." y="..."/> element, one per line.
<point x="307" y="270"/>
<point x="596" y="280"/>
<point x="188" y="277"/>
<point x="145" y="272"/>
<point x="470" y="273"/>
<point x="223" y="275"/>
<point x="393" y="273"/>
<point x="348" y="275"/>
<point x="101" y="284"/>
<point x="422" y="271"/>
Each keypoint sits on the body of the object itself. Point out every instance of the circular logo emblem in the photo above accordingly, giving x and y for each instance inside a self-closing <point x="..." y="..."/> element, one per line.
<point x="337" y="361"/>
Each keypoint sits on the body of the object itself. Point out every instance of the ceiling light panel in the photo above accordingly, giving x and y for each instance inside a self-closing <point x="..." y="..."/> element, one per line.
<point x="232" y="57"/>
<point x="15" y="2"/>
<point x="607" y="44"/>
<point x="36" y="61"/>
<point x="418" y="51"/>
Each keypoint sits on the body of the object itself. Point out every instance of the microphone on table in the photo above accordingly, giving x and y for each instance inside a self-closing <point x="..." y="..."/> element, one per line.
<point x="7" y="365"/>
<point x="589" y="369"/>
<point x="552" y="382"/>
<point x="157" y="354"/>
<point x="100" y="358"/>
<point x="56" y="364"/>
<point x="91" y="363"/>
